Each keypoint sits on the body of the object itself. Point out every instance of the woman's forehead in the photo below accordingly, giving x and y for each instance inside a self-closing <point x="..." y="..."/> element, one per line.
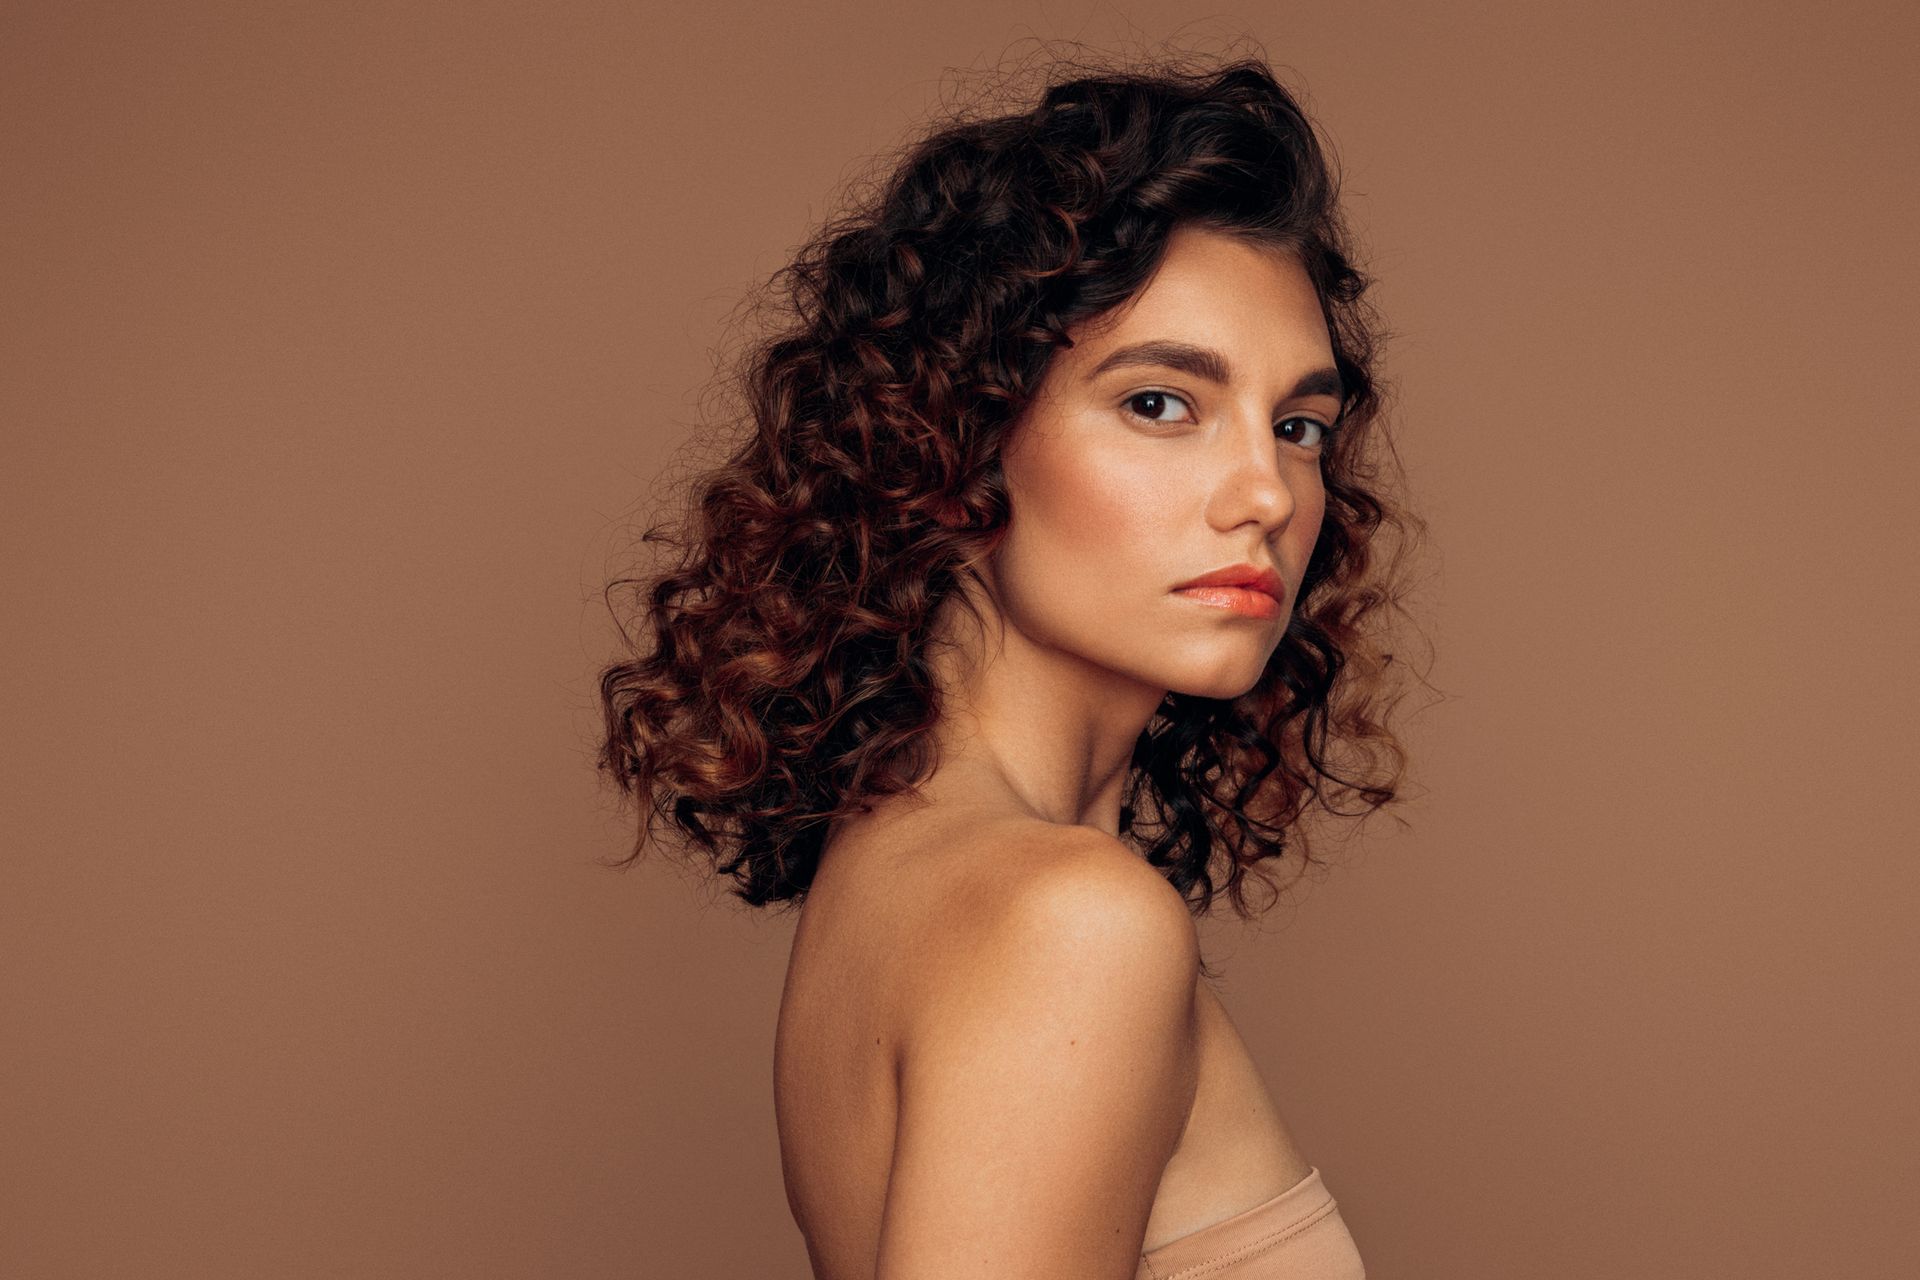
<point x="1253" y="303"/>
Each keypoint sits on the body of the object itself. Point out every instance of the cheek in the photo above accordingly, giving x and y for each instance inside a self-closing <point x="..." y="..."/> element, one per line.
<point x="1310" y="511"/>
<point x="1088" y="524"/>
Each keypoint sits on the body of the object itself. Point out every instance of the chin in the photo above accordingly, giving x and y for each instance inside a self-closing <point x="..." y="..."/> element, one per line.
<point x="1224" y="682"/>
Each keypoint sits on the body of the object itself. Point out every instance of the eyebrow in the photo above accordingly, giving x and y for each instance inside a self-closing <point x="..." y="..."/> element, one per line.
<point x="1205" y="362"/>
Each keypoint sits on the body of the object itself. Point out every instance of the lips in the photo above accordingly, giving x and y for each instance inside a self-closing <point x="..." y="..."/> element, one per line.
<point x="1241" y="575"/>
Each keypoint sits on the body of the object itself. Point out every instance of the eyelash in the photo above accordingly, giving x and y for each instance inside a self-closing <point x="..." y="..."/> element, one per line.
<point x="1326" y="429"/>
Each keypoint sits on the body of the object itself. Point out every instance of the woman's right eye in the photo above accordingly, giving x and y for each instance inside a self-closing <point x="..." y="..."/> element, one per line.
<point x="1154" y="403"/>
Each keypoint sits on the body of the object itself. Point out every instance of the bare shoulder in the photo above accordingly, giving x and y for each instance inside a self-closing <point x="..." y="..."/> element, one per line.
<point x="1086" y="897"/>
<point x="1050" y="1064"/>
<point x="1032" y="901"/>
<point x="1024" y="878"/>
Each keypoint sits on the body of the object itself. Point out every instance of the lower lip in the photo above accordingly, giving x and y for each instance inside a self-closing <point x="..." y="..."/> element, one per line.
<point x="1243" y="600"/>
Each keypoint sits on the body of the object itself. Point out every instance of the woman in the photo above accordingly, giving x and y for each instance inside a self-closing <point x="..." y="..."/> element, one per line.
<point x="1059" y="507"/>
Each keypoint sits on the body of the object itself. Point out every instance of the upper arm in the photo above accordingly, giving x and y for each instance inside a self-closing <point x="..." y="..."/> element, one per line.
<point x="1046" y="1078"/>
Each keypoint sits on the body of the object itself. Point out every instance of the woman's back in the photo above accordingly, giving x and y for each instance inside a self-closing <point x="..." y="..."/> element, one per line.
<point x="881" y="932"/>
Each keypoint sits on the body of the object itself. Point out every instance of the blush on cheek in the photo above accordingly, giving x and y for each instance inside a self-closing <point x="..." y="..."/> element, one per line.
<point x="1070" y="569"/>
<point x="1114" y="520"/>
<point x="1111" y="493"/>
<point x="1094" y="511"/>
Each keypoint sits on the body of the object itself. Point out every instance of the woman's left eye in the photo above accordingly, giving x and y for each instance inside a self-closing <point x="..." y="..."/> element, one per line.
<point x="1313" y="424"/>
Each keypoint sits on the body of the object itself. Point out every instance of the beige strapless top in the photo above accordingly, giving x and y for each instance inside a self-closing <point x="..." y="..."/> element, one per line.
<point x="1297" y="1235"/>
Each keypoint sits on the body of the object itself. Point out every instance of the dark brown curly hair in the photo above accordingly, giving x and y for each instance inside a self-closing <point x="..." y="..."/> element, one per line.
<point x="787" y="676"/>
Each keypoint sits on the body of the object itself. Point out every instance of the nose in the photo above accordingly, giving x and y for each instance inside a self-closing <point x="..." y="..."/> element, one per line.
<point x="1253" y="483"/>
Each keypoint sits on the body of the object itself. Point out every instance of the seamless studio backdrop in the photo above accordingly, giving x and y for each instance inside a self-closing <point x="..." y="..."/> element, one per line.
<point x="344" y="344"/>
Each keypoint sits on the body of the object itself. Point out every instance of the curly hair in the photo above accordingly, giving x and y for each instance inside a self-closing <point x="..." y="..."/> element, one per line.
<point x="787" y="679"/>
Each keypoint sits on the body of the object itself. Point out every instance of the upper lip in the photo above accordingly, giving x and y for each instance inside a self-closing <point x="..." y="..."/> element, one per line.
<point x="1241" y="575"/>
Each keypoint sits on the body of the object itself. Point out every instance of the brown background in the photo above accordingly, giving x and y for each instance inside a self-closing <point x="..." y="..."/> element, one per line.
<point x="342" y="341"/>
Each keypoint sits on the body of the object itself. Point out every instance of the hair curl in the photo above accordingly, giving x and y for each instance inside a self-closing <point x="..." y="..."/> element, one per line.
<point x="788" y="675"/>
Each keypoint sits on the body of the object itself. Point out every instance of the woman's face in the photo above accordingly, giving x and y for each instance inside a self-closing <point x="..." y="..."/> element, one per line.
<point x="1181" y="434"/>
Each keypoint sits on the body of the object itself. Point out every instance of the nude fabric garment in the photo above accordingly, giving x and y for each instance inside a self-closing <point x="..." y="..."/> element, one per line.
<point x="1297" y="1235"/>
